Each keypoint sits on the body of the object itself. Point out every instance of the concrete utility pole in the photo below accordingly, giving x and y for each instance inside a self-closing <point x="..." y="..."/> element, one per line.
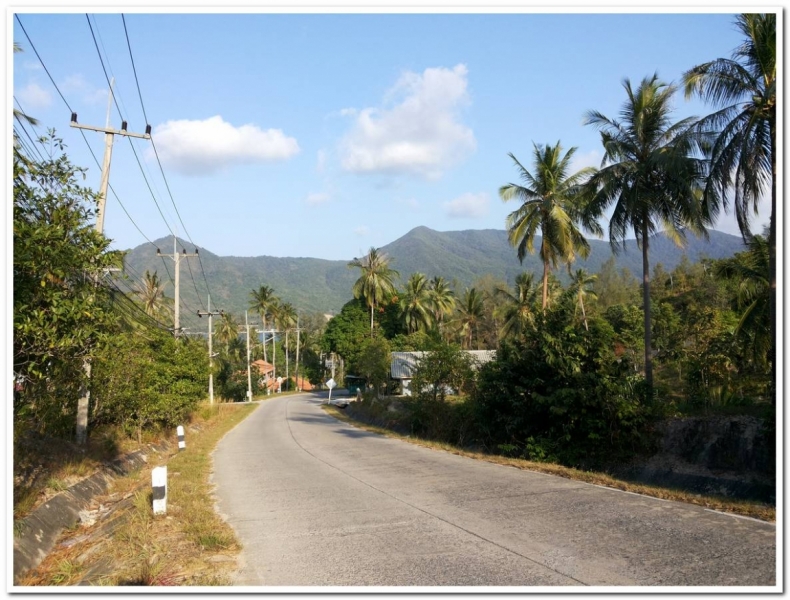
<point x="177" y="259"/>
<point x="298" y="385"/>
<point x="249" y="375"/>
<point x="210" y="314"/>
<point x="109" y="135"/>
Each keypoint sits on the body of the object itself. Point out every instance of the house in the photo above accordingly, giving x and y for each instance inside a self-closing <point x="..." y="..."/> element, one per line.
<point x="403" y="365"/>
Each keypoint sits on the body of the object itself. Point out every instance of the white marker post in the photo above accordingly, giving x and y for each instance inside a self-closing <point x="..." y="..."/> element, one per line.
<point x="159" y="485"/>
<point x="182" y="444"/>
<point x="330" y="384"/>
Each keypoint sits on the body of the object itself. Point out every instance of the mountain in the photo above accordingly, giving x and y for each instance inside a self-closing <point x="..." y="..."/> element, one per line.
<point x="317" y="285"/>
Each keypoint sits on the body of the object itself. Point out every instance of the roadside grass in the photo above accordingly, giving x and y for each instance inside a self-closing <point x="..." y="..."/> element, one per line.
<point x="189" y="545"/>
<point x="746" y="508"/>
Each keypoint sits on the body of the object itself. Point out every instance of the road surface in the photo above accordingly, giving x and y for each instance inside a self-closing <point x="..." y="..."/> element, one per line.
<point x="316" y="502"/>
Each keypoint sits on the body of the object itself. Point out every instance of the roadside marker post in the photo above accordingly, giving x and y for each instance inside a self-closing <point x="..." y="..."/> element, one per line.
<point x="182" y="444"/>
<point x="159" y="487"/>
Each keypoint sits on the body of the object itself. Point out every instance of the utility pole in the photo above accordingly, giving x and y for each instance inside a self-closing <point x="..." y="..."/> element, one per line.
<point x="298" y="385"/>
<point x="177" y="259"/>
<point x="109" y="135"/>
<point x="287" y="376"/>
<point x="249" y="375"/>
<point x="210" y="314"/>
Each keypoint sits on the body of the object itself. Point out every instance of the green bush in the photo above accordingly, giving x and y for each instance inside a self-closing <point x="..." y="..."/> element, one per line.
<point x="562" y="394"/>
<point x="149" y="379"/>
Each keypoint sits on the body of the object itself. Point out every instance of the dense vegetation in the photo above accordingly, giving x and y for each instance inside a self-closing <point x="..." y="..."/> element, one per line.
<point x="583" y="367"/>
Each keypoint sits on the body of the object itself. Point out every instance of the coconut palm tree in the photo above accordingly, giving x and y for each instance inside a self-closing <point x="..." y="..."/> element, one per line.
<point x="376" y="280"/>
<point x="743" y="155"/>
<point x="286" y="320"/>
<point x="442" y="300"/>
<point x="262" y="300"/>
<point x="551" y="202"/>
<point x="469" y="312"/>
<point x="519" y="310"/>
<point x="752" y="273"/>
<point x="579" y="287"/>
<point x="18" y="114"/>
<point x="227" y="331"/>
<point x="652" y="173"/>
<point x="415" y="304"/>
<point x="151" y="292"/>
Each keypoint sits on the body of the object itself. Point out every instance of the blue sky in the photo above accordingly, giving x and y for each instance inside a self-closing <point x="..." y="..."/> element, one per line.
<point x="322" y="135"/>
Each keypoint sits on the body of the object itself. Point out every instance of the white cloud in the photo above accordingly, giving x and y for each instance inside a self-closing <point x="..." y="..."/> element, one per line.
<point x="417" y="132"/>
<point x="468" y="206"/>
<point x="34" y="96"/>
<point x="316" y="199"/>
<point x="204" y="147"/>
<point x="362" y="230"/>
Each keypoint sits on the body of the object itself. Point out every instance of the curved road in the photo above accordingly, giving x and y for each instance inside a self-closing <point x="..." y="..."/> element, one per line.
<point x="317" y="502"/>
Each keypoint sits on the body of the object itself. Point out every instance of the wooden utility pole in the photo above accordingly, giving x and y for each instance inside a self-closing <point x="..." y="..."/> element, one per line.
<point x="210" y="314"/>
<point x="109" y="135"/>
<point x="177" y="259"/>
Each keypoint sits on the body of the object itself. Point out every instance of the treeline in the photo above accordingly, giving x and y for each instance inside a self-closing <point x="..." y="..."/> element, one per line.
<point x="77" y="335"/>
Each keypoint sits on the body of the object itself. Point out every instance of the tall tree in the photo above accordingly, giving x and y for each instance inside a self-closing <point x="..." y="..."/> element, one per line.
<point x="262" y="300"/>
<point x="653" y="174"/>
<point x="415" y="304"/>
<point x="552" y="202"/>
<point x="227" y="331"/>
<point x="151" y="292"/>
<point x="469" y="313"/>
<point x="743" y="155"/>
<point x="579" y="287"/>
<point x="442" y="300"/>
<point x="376" y="281"/>
<point x="519" y="310"/>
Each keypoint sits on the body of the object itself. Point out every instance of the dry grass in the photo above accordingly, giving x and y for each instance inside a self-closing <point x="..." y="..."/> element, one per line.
<point x="190" y="545"/>
<point x="755" y="510"/>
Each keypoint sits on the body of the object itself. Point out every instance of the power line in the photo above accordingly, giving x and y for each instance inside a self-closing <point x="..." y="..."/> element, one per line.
<point x="156" y="153"/>
<point x="85" y="139"/>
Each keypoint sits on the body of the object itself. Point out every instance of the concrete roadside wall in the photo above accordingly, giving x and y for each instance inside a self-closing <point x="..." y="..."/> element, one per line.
<point x="39" y="531"/>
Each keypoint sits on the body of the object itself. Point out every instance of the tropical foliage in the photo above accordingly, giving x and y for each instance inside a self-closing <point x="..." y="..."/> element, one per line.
<point x="552" y="202"/>
<point x="653" y="175"/>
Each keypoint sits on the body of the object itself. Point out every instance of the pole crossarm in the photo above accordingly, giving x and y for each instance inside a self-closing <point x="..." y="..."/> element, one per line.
<point x="109" y="130"/>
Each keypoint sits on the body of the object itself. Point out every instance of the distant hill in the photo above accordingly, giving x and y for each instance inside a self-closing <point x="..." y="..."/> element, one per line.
<point x="317" y="285"/>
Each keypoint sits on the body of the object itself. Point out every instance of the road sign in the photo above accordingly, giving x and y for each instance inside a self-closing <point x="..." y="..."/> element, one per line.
<point x="331" y="384"/>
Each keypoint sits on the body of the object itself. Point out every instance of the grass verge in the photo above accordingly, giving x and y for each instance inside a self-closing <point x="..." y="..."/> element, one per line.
<point x="755" y="510"/>
<point x="190" y="545"/>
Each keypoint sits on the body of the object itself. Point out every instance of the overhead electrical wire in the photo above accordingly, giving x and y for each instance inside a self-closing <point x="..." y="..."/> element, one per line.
<point x="134" y="151"/>
<point x="55" y="85"/>
<point x="156" y="153"/>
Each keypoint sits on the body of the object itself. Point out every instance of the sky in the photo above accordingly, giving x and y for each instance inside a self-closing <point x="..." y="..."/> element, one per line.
<point x="322" y="135"/>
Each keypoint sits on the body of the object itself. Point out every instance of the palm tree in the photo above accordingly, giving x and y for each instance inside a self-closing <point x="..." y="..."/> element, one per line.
<point x="743" y="155"/>
<point x="227" y="331"/>
<point x="18" y="114"/>
<point x="262" y="300"/>
<point x="286" y="319"/>
<point x="552" y="203"/>
<point x="519" y="309"/>
<point x="442" y="300"/>
<point x="415" y="304"/>
<point x="151" y="292"/>
<point x="469" y="313"/>
<point x="651" y="173"/>
<point x="752" y="273"/>
<point x="376" y="281"/>
<point x="580" y="280"/>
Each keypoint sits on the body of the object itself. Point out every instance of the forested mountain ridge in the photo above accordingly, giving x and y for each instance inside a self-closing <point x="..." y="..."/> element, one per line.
<point x="319" y="285"/>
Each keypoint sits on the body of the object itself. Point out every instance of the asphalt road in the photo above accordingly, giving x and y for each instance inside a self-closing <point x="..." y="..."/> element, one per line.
<point x="316" y="502"/>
